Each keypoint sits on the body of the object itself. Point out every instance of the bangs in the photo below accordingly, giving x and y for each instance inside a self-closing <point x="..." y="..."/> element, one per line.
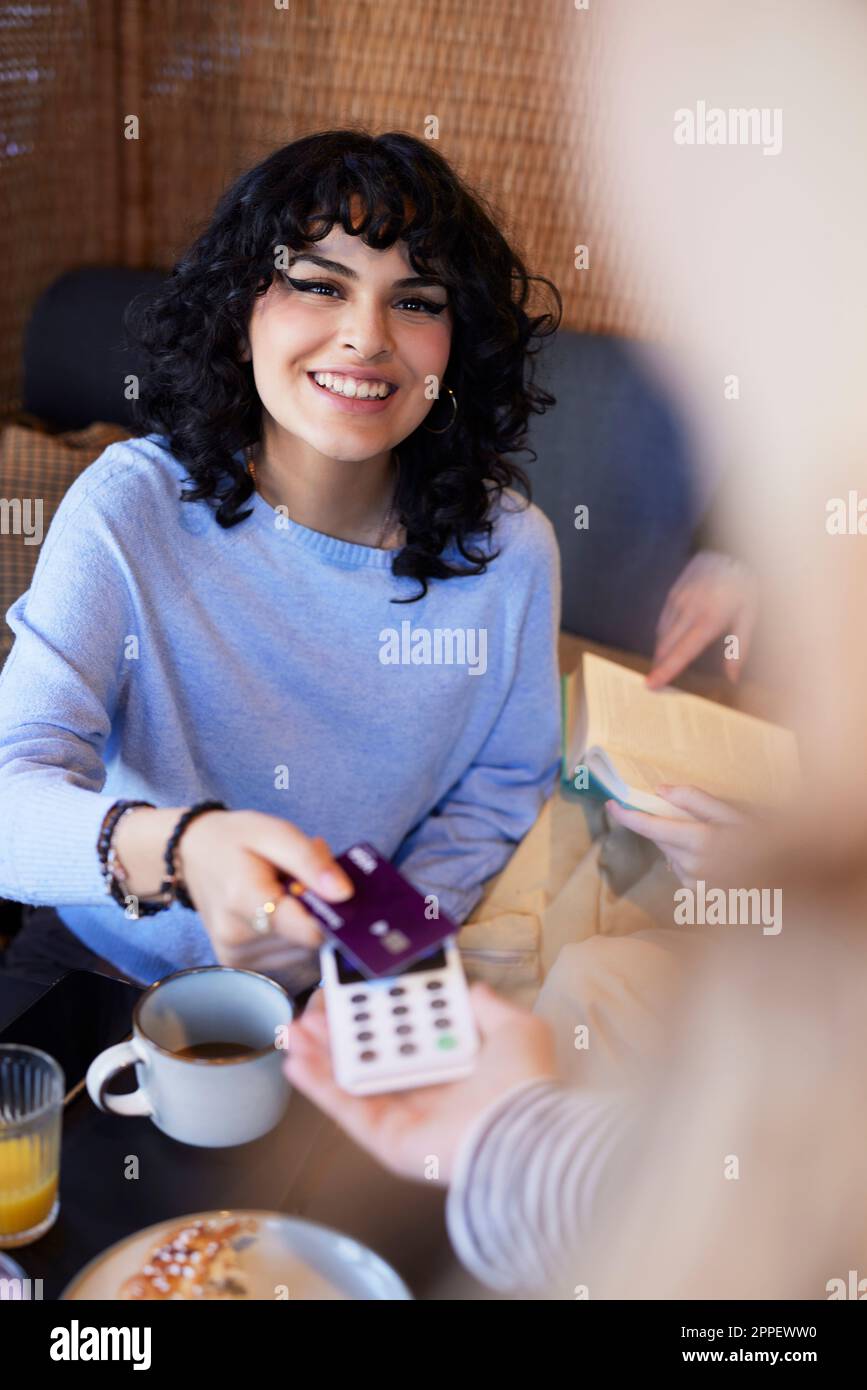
<point x="369" y="194"/>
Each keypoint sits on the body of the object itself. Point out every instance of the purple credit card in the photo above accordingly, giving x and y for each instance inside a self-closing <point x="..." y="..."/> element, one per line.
<point x="386" y="924"/>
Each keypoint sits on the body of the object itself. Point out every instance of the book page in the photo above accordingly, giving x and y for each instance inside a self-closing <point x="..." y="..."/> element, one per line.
<point x="670" y="736"/>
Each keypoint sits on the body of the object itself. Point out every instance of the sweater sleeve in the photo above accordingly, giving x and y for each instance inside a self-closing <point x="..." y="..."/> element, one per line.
<point x="527" y="1186"/>
<point x="59" y="689"/>
<point x="473" y="831"/>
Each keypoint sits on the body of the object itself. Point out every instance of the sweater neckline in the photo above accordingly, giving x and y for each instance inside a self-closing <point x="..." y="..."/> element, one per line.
<point x="328" y="547"/>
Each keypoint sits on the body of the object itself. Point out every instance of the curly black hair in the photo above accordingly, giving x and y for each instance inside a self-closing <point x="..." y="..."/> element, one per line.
<point x="196" y="391"/>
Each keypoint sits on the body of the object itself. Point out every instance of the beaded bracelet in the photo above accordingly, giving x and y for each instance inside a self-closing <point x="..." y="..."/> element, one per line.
<point x="113" y="873"/>
<point x="173" y="880"/>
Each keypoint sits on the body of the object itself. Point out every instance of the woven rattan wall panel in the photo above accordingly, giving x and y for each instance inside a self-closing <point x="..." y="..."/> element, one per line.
<point x="58" y="157"/>
<point x="217" y="84"/>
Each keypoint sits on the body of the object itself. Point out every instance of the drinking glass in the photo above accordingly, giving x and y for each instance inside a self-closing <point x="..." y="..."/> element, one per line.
<point x="31" y="1107"/>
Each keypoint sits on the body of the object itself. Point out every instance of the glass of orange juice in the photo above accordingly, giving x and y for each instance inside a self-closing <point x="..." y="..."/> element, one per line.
<point x="31" y="1106"/>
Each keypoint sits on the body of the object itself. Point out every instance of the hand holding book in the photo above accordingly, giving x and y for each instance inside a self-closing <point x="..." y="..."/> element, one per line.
<point x="622" y="740"/>
<point x="690" y="847"/>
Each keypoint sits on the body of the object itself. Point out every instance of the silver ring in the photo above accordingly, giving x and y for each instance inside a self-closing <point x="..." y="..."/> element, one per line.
<point x="262" y="917"/>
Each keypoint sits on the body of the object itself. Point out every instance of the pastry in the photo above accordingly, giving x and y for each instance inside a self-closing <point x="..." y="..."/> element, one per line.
<point x="196" y="1260"/>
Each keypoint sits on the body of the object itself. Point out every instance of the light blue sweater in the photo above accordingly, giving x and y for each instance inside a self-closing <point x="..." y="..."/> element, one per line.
<point x="159" y="656"/>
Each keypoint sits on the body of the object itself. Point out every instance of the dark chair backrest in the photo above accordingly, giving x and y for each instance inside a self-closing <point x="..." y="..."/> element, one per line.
<point x="76" y="357"/>
<point x="615" y="445"/>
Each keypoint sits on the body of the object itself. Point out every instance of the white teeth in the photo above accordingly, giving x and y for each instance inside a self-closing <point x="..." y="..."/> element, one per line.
<point x="352" y="386"/>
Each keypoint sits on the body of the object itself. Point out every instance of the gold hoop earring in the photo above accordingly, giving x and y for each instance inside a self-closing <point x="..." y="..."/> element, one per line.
<point x="454" y="401"/>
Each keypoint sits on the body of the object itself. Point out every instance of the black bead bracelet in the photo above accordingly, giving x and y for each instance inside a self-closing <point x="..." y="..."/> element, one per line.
<point x="114" y="875"/>
<point x="173" y="880"/>
<point x="114" y="881"/>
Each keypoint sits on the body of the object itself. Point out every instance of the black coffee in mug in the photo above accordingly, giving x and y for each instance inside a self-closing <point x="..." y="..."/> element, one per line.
<point x="214" y="1051"/>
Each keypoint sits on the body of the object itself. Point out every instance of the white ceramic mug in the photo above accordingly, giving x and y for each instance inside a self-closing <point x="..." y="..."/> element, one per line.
<point x="207" y="1101"/>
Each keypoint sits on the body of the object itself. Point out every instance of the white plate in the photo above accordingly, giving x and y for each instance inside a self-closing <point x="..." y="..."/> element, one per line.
<point x="288" y="1258"/>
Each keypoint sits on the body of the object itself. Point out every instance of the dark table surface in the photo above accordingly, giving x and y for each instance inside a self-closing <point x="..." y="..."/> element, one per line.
<point x="119" y="1174"/>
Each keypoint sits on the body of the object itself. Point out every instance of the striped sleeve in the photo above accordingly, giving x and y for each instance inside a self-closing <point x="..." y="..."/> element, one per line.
<point x="522" y="1198"/>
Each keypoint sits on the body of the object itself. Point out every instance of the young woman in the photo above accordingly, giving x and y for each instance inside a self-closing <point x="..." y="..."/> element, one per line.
<point x="309" y="593"/>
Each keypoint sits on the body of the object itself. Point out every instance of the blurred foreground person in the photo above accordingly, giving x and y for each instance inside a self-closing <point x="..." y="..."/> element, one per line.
<point x="727" y="1161"/>
<point x="714" y="1144"/>
<point x="747" y="1178"/>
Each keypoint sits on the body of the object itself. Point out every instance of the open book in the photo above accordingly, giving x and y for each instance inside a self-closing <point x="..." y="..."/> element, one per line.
<point x="621" y="740"/>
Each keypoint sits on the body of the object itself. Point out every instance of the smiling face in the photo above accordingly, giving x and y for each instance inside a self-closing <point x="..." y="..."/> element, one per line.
<point x="365" y="316"/>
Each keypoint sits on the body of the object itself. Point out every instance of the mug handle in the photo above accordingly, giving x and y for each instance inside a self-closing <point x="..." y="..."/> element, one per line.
<point x="107" y="1065"/>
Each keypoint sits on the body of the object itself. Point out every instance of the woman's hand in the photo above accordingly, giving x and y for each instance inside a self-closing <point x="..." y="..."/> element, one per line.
<point x="404" y="1130"/>
<point x="713" y="597"/>
<point x="230" y="862"/>
<point x="690" y="847"/>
